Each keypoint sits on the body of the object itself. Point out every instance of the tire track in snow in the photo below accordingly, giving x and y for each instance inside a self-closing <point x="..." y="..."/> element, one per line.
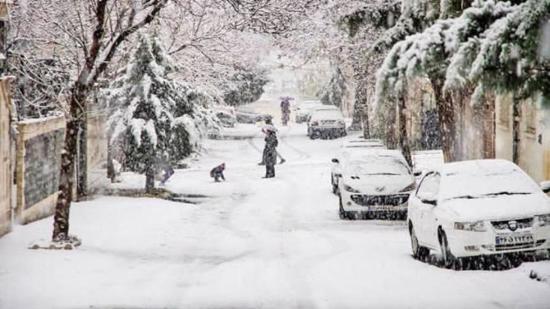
<point x="302" y="154"/>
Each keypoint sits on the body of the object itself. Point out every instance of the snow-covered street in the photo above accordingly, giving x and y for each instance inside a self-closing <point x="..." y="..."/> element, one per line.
<point x="253" y="243"/>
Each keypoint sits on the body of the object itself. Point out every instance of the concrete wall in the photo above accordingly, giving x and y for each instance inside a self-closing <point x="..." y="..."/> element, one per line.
<point x="96" y="152"/>
<point x="534" y="145"/>
<point x="6" y="180"/>
<point x="39" y="145"/>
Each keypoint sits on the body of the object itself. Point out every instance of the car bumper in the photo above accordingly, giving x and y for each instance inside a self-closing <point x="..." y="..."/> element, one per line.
<point x="301" y="118"/>
<point x="356" y="202"/>
<point x="469" y="244"/>
<point x="327" y="130"/>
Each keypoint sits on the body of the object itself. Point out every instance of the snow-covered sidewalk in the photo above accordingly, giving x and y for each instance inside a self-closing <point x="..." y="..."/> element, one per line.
<point x="275" y="243"/>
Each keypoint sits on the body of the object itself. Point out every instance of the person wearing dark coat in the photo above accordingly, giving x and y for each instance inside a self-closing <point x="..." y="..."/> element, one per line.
<point x="269" y="126"/>
<point x="217" y="172"/>
<point x="270" y="153"/>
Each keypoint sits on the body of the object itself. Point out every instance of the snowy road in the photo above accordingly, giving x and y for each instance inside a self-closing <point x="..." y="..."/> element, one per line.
<point x="275" y="243"/>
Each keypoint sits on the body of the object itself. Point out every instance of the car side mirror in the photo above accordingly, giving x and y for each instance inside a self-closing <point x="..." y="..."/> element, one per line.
<point x="545" y="186"/>
<point x="334" y="160"/>
<point x="429" y="201"/>
<point x="428" y="198"/>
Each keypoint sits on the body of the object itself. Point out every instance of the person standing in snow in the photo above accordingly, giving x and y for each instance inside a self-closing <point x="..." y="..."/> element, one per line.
<point x="217" y="172"/>
<point x="269" y="125"/>
<point x="285" y="110"/>
<point x="270" y="152"/>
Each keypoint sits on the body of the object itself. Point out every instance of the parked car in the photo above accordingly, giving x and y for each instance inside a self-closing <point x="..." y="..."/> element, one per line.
<point x="374" y="183"/>
<point x="362" y="143"/>
<point x="248" y="116"/>
<point x="226" y="116"/>
<point x="356" y="146"/>
<point x="303" y="111"/>
<point x="478" y="208"/>
<point x="326" y="124"/>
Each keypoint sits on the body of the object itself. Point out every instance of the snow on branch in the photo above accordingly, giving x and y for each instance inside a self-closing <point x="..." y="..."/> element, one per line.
<point x="507" y="57"/>
<point x="429" y="53"/>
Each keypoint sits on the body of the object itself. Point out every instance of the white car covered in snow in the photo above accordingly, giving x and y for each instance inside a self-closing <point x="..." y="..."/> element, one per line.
<point x="375" y="183"/>
<point x="226" y="116"/>
<point x="326" y="124"/>
<point x="303" y="111"/>
<point x="357" y="146"/>
<point x="475" y="208"/>
<point x="357" y="142"/>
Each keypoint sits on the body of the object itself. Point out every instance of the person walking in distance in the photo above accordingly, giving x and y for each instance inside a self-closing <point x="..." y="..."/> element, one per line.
<point x="285" y="110"/>
<point x="270" y="152"/>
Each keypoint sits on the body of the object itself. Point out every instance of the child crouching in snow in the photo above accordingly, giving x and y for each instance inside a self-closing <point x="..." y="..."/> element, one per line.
<point x="217" y="172"/>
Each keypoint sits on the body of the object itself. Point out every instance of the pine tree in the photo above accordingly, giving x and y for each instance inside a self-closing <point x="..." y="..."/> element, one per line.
<point x="147" y="99"/>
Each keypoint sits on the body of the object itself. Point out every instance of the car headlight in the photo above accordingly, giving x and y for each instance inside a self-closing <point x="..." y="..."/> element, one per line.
<point x="478" y="226"/>
<point x="543" y="220"/>
<point x="350" y="189"/>
<point x="409" y="187"/>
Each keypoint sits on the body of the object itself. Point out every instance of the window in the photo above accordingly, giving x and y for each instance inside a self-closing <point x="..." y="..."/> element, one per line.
<point x="429" y="187"/>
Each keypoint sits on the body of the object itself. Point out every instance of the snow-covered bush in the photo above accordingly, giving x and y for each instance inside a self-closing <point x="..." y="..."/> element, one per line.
<point x="244" y="86"/>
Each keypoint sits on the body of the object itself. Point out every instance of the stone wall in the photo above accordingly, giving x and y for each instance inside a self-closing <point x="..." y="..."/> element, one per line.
<point x="39" y="146"/>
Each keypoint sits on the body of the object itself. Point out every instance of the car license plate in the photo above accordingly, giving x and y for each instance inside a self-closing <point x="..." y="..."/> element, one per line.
<point x="512" y="239"/>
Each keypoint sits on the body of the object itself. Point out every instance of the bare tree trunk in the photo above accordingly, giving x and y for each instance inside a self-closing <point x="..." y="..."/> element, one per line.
<point x="150" y="180"/>
<point x="447" y="124"/>
<point x="356" y="116"/>
<point x="516" y="118"/>
<point x="77" y="103"/>
<point x="489" y="127"/>
<point x="366" y="124"/>
<point x="82" y="175"/>
<point x="111" y="173"/>
<point x="390" y="129"/>
<point x="403" y="132"/>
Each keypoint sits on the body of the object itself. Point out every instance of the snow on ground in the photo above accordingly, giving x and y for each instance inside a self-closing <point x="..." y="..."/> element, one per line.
<point x="275" y="243"/>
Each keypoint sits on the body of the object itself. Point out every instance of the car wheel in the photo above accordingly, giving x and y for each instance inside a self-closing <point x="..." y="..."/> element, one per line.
<point x="447" y="256"/>
<point x="345" y="215"/>
<point x="342" y="213"/>
<point x="419" y="252"/>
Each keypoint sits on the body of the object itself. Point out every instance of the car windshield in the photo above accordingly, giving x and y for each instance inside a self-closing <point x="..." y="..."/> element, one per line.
<point x="379" y="166"/>
<point x="327" y="114"/>
<point x="464" y="185"/>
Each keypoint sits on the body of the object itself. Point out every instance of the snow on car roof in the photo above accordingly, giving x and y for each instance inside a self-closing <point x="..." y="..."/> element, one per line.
<point x="324" y="107"/>
<point x="356" y="142"/>
<point x="479" y="178"/>
<point x="368" y="153"/>
<point x="377" y="165"/>
<point x="327" y="114"/>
